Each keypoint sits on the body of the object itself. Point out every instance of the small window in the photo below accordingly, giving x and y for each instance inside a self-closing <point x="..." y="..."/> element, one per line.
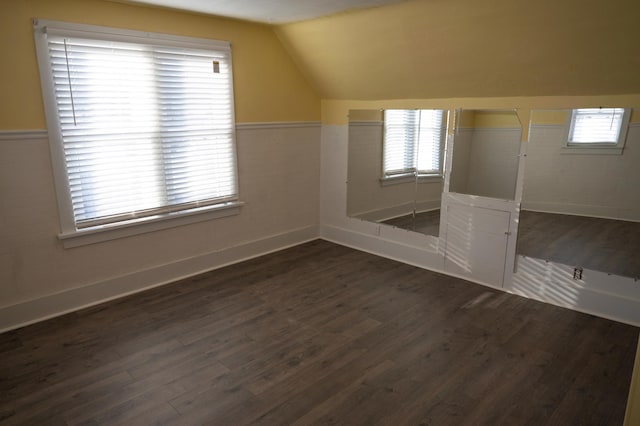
<point x="598" y="130"/>
<point x="141" y="125"/>
<point x="413" y="143"/>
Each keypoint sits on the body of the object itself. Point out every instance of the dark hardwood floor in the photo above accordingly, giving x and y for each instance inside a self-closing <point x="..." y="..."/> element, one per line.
<point x="427" y="223"/>
<point x="318" y="334"/>
<point x="605" y="245"/>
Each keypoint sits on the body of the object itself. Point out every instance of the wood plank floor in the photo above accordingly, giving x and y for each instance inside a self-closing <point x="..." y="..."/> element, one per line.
<point x="605" y="245"/>
<point x="427" y="223"/>
<point x="318" y="334"/>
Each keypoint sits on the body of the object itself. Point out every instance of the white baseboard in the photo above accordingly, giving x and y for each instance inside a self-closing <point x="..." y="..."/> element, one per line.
<point x="426" y="257"/>
<point x="31" y="311"/>
<point x="386" y="213"/>
<point x="597" y="293"/>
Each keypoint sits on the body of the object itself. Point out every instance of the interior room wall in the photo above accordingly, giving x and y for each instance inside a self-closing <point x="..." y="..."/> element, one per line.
<point x="581" y="184"/>
<point x="278" y="133"/>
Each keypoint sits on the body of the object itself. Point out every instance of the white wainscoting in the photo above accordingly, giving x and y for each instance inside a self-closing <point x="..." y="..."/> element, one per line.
<point x="581" y="184"/>
<point x="53" y="305"/>
<point x="279" y="172"/>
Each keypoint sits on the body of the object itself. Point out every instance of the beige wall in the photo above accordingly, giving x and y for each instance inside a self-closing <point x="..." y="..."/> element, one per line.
<point x="278" y="166"/>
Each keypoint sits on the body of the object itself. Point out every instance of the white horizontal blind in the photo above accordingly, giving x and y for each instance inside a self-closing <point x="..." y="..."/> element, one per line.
<point x="596" y="125"/>
<point x="145" y="129"/>
<point x="412" y="142"/>
<point x="430" y="142"/>
<point x="400" y="141"/>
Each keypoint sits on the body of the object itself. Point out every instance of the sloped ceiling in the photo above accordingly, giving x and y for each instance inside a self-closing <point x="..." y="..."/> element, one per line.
<point x="468" y="48"/>
<point x="266" y="11"/>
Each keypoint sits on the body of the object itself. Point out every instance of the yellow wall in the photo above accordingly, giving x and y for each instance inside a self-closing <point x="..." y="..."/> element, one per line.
<point x="366" y="115"/>
<point x="632" y="416"/>
<point x="470" y="48"/>
<point x="268" y="85"/>
<point x="557" y="117"/>
<point x="560" y="116"/>
<point x="495" y="119"/>
<point x="335" y="111"/>
<point x="488" y="119"/>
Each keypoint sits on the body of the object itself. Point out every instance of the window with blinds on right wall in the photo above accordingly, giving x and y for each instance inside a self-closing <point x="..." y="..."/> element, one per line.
<point x="597" y="130"/>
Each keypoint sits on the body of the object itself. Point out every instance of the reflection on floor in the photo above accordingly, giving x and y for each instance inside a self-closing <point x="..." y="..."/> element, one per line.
<point x="427" y="223"/>
<point x="599" y="244"/>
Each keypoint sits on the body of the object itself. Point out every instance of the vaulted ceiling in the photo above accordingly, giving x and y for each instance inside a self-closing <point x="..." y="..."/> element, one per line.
<point x="267" y="11"/>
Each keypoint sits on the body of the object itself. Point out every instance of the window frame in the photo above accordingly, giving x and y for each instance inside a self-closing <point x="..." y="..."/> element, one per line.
<point x="70" y="234"/>
<point x="597" y="148"/>
<point x="411" y="175"/>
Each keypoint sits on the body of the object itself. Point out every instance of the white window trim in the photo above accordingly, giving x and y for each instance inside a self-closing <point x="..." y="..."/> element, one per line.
<point x="411" y="177"/>
<point x="98" y="234"/>
<point x="70" y="235"/>
<point x="594" y="148"/>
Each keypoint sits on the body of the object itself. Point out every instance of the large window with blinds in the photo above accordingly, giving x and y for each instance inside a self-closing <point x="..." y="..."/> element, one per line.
<point x="141" y="125"/>
<point x="598" y="129"/>
<point x="413" y="143"/>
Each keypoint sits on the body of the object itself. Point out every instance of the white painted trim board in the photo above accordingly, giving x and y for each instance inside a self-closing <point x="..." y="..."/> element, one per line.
<point x="53" y="305"/>
<point x="29" y="134"/>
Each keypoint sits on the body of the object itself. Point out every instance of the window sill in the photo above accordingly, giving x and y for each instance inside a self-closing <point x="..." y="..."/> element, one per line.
<point x="395" y="180"/>
<point x="129" y="228"/>
<point x="591" y="150"/>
